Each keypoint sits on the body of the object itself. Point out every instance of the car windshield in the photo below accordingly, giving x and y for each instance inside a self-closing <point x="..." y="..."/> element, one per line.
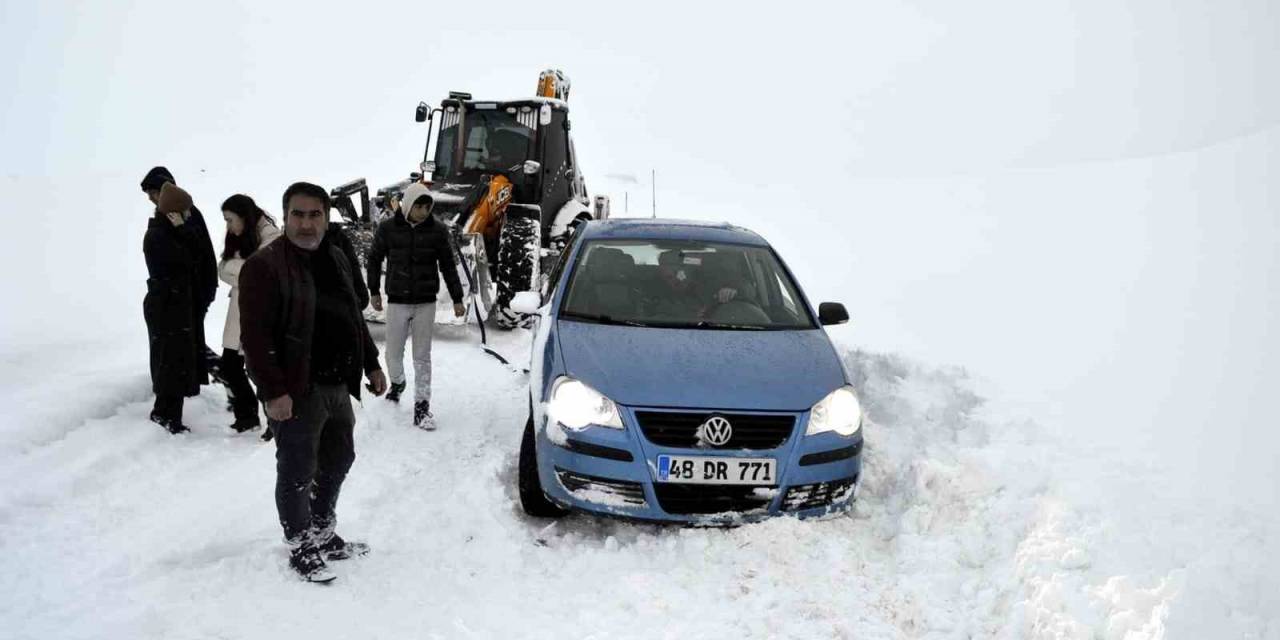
<point x="683" y="284"/>
<point x="496" y="141"/>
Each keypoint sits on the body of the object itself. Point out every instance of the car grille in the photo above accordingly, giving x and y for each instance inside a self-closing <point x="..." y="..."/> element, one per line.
<point x="834" y="455"/>
<point x="750" y="431"/>
<point x="598" y="451"/>
<point x="602" y="490"/>
<point x="821" y="494"/>
<point x="687" y="499"/>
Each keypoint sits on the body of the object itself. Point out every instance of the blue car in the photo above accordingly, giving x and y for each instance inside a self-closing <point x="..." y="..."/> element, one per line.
<point x="678" y="374"/>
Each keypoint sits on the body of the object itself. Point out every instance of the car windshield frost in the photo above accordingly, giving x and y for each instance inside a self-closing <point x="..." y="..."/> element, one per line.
<point x="683" y="284"/>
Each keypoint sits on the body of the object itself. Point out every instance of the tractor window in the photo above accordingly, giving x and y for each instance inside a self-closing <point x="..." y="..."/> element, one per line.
<point x="445" y="147"/>
<point x="496" y="141"/>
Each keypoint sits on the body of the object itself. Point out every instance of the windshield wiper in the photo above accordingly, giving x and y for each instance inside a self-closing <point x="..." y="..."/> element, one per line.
<point x="706" y="324"/>
<point x="659" y="324"/>
<point x="602" y="319"/>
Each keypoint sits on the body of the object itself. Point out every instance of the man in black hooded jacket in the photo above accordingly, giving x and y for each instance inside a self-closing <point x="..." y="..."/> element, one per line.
<point x="416" y="248"/>
<point x="204" y="271"/>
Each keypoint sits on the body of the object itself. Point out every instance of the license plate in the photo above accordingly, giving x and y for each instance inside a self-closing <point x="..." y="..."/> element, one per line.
<point x="707" y="470"/>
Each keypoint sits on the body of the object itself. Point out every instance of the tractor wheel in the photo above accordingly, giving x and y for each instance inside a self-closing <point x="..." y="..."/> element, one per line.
<point x="560" y="242"/>
<point x="518" y="251"/>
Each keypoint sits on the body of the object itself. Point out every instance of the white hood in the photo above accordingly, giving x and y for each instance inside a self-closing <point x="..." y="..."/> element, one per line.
<point x="411" y="194"/>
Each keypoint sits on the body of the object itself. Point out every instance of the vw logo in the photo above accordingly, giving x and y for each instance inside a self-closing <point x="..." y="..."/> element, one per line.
<point x="716" y="431"/>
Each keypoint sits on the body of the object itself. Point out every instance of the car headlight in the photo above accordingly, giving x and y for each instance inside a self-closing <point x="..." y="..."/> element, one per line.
<point x="575" y="405"/>
<point x="839" y="412"/>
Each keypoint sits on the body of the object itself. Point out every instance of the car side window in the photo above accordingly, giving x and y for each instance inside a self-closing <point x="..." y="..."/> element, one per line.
<point x="553" y="279"/>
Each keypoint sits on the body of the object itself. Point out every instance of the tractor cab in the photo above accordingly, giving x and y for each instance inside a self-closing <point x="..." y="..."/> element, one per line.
<point x="505" y="178"/>
<point x="524" y="144"/>
<point x="484" y="139"/>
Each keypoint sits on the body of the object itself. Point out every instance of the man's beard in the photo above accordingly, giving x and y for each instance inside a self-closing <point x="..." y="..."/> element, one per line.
<point x="307" y="242"/>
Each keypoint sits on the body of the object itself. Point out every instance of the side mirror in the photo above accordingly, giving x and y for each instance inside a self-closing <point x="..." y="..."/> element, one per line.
<point x="423" y="112"/>
<point x="428" y="167"/>
<point x="830" y="313"/>
<point x="527" y="302"/>
<point x="532" y="166"/>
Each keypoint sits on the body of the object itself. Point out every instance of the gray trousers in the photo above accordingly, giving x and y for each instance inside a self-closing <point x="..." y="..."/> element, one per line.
<point x="403" y="320"/>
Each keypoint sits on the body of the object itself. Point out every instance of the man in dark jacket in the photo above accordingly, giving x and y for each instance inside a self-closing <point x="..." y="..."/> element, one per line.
<point x="340" y="241"/>
<point x="305" y="345"/>
<point x="204" y="266"/>
<point x="416" y="248"/>
<point x="171" y="248"/>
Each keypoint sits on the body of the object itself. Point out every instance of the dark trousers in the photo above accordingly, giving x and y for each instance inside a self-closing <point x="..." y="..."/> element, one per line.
<point x="168" y="408"/>
<point x="314" y="451"/>
<point x="239" y="391"/>
<point x="206" y="360"/>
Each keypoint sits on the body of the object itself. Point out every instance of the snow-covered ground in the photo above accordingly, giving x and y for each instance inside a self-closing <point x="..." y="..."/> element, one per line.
<point x="1089" y="224"/>
<point x="968" y="525"/>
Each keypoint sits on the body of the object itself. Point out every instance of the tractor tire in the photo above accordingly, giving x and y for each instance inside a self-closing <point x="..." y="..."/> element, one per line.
<point x="532" y="499"/>
<point x="519" y="248"/>
<point x="561" y="242"/>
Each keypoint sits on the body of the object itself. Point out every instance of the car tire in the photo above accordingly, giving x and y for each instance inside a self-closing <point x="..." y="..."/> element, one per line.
<point x="532" y="499"/>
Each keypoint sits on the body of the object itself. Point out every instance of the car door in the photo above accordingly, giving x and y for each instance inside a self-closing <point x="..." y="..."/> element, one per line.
<point x="540" y="354"/>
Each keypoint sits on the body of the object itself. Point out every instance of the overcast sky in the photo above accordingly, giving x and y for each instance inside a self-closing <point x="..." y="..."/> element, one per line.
<point x="1076" y="200"/>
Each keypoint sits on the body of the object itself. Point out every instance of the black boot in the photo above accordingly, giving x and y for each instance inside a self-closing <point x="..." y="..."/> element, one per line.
<point x="393" y="394"/>
<point x="172" y="426"/>
<point x="307" y="561"/>
<point x="212" y="365"/>
<point x="242" y="425"/>
<point x="167" y="413"/>
<point x="422" y="417"/>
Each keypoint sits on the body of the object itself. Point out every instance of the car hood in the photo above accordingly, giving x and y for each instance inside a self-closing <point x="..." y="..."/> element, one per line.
<point x="702" y="368"/>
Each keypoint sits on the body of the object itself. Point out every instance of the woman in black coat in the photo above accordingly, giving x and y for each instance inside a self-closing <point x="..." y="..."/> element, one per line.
<point x="171" y="247"/>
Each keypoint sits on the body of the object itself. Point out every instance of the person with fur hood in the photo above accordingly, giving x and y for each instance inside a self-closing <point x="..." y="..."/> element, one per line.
<point x="174" y="304"/>
<point x="249" y="228"/>
<point x="204" y="269"/>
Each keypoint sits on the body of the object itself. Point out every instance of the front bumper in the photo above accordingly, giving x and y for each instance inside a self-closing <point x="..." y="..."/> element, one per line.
<point x="614" y="472"/>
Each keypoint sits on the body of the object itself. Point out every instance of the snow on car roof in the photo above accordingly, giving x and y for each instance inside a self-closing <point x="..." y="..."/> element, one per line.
<point x="665" y="228"/>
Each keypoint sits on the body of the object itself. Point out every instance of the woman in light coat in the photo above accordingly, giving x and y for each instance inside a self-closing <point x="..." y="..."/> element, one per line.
<point x="249" y="228"/>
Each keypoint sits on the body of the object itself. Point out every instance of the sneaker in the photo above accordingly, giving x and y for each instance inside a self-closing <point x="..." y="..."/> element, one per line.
<point x="307" y="561"/>
<point x="422" y="417"/>
<point x="393" y="393"/>
<point x="338" y="549"/>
